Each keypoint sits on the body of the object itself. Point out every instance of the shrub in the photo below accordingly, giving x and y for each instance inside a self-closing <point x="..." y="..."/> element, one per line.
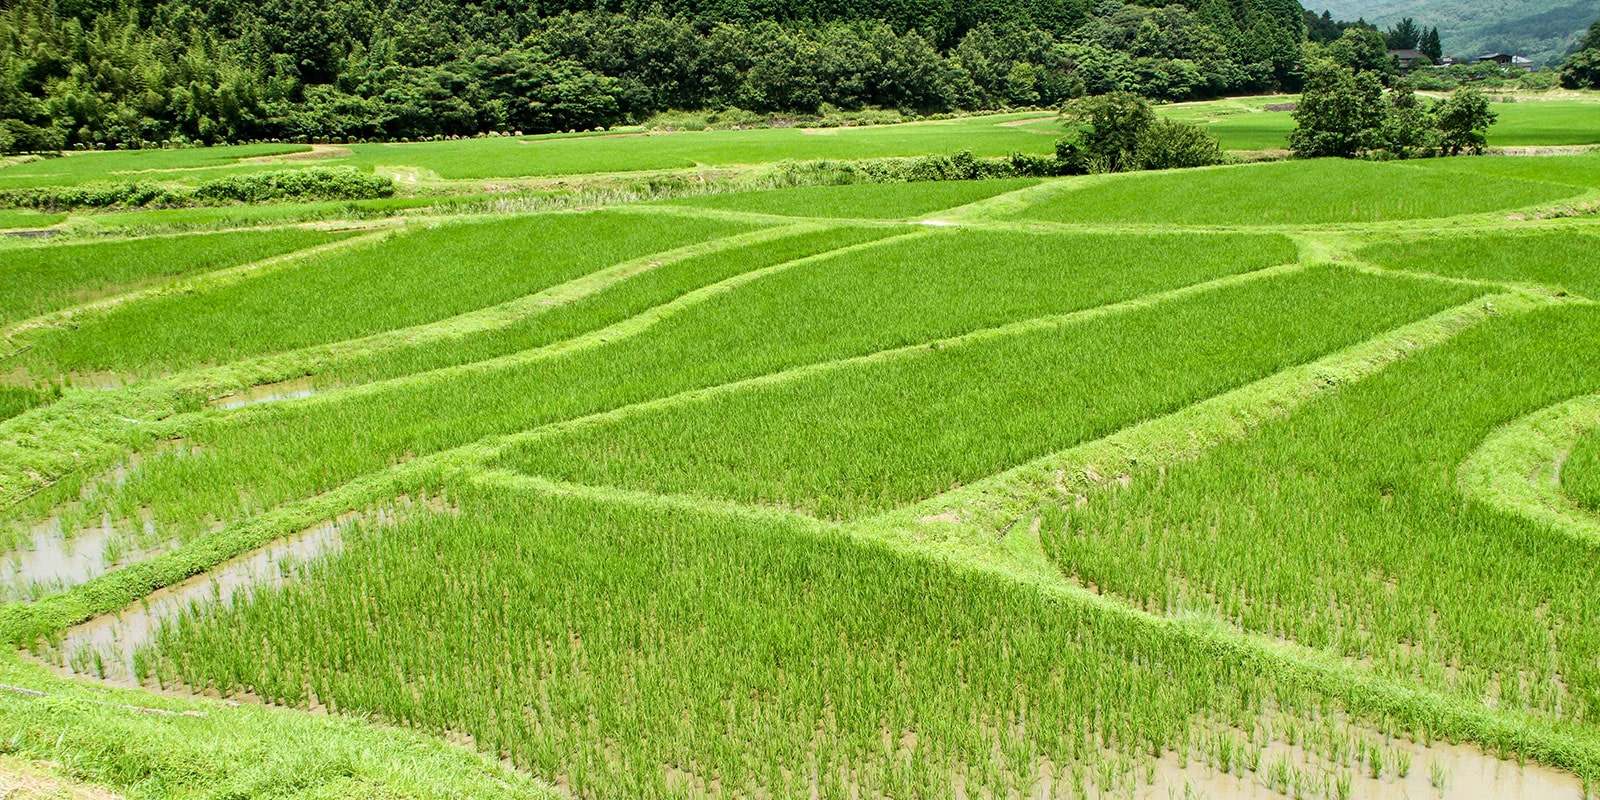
<point x="1173" y="145"/>
<point x="319" y="183"/>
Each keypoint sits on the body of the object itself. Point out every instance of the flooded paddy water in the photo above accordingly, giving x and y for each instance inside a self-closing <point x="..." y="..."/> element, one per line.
<point x="104" y="648"/>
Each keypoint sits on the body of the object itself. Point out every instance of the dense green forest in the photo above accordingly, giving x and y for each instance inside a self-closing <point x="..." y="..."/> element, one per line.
<point x="115" y="73"/>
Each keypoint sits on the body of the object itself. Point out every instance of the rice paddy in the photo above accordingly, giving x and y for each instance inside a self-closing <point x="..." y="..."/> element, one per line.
<point x="1277" y="480"/>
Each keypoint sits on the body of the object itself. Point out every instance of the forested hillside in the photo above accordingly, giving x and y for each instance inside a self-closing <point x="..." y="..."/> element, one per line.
<point x="1544" y="30"/>
<point x="93" y="73"/>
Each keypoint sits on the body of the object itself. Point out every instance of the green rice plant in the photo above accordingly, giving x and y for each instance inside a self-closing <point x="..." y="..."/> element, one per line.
<point x="655" y="286"/>
<point x="1562" y="260"/>
<point x="15" y="400"/>
<point x="874" y="436"/>
<point x="507" y="157"/>
<point x="1580" y="475"/>
<point x="869" y="201"/>
<point x="899" y="292"/>
<point x="21" y="218"/>
<point x="1574" y="170"/>
<point x="621" y="644"/>
<point x="1343" y="528"/>
<point x="135" y="164"/>
<point x="418" y="276"/>
<point x="1290" y="193"/>
<point x="42" y="278"/>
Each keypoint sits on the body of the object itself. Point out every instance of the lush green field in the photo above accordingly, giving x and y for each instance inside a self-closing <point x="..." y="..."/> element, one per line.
<point x="1271" y="478"/>
<point x="1562" y="260"/>
<point x="1244" y="123"/>
<point x="1290" y="193"/>
<point x="879" y="201"/>
<point x="43" y="278"/>
<point x="133" y="165"/>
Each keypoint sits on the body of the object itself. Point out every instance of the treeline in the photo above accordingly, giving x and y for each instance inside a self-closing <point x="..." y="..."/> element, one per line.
<point x="87" y="74"/>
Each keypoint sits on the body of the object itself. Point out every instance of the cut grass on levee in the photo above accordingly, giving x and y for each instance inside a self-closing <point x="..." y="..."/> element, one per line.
<point x="896" y="293"/>
<point x="870" y="201"/>
<point x="867" y="438"/>
<point x="1244" y="531"/>
<point x="39" y="279"/>
<point x="1580" y="475"/>
<point x="410" y="278"/>
<point x="1290" y="193"/>
<point x="1562" y="260"/>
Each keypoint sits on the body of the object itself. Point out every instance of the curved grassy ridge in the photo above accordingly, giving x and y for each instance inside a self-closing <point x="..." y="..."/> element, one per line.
<point x="43" y="278"/>
<point x="892" y="294"/>
<point x="414" y="277"/>
<point x="875" y="436"/>
<point x="636" y="642"/>
<point x="1319" y="192"/>
<point x="862" y="201"/>
<point x="1343" y="528"/>
<point x="1580" y="475"/>
<point x="655" y="286"/>
<point x="1560" y="259"/>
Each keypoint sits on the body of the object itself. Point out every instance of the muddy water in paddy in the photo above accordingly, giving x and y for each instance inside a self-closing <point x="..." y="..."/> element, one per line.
<point x="104" y="647"/>
<point x="53" y="562"/>
<point x="267" y="393"/>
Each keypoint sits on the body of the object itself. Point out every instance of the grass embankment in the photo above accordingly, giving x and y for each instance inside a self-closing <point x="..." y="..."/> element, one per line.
<point x="147" y="745"/>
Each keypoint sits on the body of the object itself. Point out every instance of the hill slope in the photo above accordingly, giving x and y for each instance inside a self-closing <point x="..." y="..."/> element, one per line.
<point x="1543" y="30"/>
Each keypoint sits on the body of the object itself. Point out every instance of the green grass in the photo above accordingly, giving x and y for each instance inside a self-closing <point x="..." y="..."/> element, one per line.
<point x="1239" y="123"/>
<point x="1290" y="193"/>
<point x="869" y="438"/>
<point x="477" y="159"/>
<point x="639" y="645"/>
<point x="1577" y="170"/>
<point x="873" y="201"/>
<point x="43" y="278"/>
<point x="411" y="278"/>
<point x="238" y="216"/>
<point x="1580" y="475"/>
<point x="637" y="294"/>
<point x="134" y="165"/>
<point x="205" y="749"/>
<point x="1561" y="260"/>
<point x="1356" y="499"/>
<point x="1243" y="124"/>
<point x="897" y="293"/>
<point x="21" y="218"/>
<point x="1541" y="123"/>
<point x="15" y="400"/>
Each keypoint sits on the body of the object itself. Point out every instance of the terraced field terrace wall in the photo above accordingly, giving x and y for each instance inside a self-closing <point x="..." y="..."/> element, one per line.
<point x="1248" y="481"/>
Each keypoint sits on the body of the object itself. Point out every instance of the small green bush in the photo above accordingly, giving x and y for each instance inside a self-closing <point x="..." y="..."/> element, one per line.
<point x="318" y="183"/>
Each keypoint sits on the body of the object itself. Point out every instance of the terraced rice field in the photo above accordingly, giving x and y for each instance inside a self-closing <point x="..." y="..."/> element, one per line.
<point x="1278" y="480"/>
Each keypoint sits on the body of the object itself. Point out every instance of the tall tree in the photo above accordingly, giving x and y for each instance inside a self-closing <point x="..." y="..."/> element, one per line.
<point x="1404" y="36"/>
<point x="1431" y="46"/>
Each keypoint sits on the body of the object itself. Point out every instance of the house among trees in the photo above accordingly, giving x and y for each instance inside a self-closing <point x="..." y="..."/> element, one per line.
<point x="1507" y="60"/>
<point x="1406" y="59"/>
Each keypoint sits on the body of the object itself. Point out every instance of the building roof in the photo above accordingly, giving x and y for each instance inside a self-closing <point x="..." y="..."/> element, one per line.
<point x="1408" y="55"/>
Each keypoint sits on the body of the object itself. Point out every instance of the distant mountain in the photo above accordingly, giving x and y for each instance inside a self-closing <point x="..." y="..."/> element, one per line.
<point x="1543" y="30"/>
